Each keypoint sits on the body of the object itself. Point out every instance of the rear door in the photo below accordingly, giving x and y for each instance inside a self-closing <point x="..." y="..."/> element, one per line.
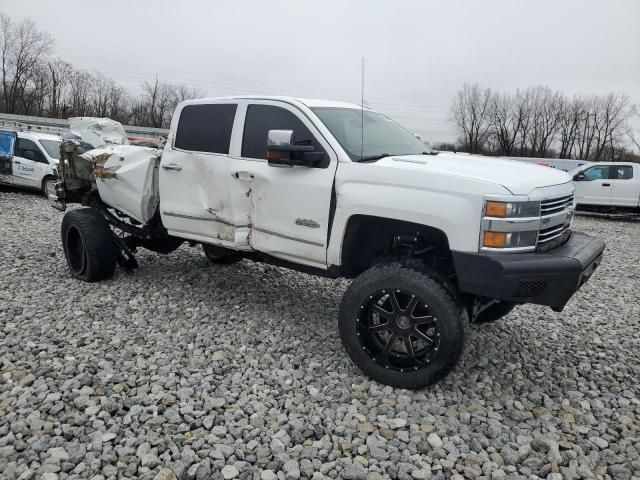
<point x="29" y="163"/>
<point x="595" y="187"/>
<point x="625" y="186"/>
<point x="194" y="174"/>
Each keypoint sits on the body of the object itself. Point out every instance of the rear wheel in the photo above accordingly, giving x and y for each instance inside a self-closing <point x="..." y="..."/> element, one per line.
<point x="220" y="256"/>
<point x="401" y="326"/>
<point x="88" y="245"/>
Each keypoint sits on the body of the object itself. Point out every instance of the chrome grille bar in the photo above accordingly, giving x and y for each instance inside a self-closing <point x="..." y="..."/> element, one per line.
<point x="554" y="205"/>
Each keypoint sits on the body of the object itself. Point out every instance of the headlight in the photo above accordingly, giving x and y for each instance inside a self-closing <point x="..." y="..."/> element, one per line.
<point x="511" y="209"/>
<point x="509" y="239"/>
<point x="510" y="224"/>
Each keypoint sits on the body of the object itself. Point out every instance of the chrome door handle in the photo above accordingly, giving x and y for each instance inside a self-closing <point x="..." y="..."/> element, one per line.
<point x="172" y="166"/>
<point x="243" y="175"/>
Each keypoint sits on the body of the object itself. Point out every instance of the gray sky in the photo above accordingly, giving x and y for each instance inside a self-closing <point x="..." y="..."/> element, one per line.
<point x="418" y="53"/>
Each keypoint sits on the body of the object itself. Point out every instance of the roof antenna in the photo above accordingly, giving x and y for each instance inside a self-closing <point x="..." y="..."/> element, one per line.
<point x="362" y="112"/>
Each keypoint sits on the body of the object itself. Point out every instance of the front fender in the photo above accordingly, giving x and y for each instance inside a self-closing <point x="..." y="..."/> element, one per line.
<point x="450" y="204"/>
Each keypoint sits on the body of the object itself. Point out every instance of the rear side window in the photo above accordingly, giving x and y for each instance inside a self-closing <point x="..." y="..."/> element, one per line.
<point x="262" y="118"/>
<point x="624" y="172"/>
<point x="206" y="128"/>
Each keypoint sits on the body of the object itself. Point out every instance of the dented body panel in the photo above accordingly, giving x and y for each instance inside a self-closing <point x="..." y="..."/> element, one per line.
<point x="127" y="178"/>
<point x="98" y="131"/>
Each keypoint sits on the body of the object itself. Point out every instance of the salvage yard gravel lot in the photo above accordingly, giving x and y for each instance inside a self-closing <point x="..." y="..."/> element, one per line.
<point x="199" y="371"/>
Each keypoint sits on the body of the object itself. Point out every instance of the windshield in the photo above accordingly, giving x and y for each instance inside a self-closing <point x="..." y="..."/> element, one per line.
<point x="382" y="136"/>
<point x="7" y="141"/>
<point x="52" y="147"/>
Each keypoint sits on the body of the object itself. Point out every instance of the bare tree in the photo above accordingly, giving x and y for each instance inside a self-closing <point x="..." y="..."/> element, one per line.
<point x="36" y="90"/>
<point x="60" y="72"/>
<point x="471" y="115"/>
<point x="572" y="114"/>
<point x="545" y="121"/>
<point x="632" y="133"/>
<point x="610" y="128"/>
<point x="158" y="101"/>
<point x="23" y="47"/>
<point x="80" y="94"/>
<point x="509" y="118"/>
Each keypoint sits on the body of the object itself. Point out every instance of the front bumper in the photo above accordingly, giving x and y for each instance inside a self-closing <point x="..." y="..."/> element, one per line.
<point x="548" y="278"/>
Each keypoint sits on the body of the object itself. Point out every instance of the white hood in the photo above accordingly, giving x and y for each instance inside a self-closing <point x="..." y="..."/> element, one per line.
<point x="518" y="177"/>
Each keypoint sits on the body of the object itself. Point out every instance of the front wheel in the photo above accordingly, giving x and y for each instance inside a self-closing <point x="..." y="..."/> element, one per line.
<point x="401" y="326"/>
<point x="48" y="186"/>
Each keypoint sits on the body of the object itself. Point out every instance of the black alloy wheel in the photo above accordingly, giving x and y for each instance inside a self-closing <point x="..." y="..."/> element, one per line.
<point x="402" y="325"/>
<point x="398" y="330"/>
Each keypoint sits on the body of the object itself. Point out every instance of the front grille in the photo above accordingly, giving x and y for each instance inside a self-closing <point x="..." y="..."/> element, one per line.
<point x="556" y="235"/>
<point x="555" y="205"/>
<point x="548" y="234"/>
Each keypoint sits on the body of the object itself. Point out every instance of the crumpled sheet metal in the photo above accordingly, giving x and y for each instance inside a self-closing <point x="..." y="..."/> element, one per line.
<point x="98" y="131"/>
<point x="126" y="178"/>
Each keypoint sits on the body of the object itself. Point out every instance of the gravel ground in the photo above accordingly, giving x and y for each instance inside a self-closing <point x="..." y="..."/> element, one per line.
<point x="188" y="370"/>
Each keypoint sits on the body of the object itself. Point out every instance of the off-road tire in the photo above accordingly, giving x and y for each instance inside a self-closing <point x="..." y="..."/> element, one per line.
<point x="495" y="312"/>
<point x="452" y="321"/>
<point x="88" y="245"/>
<point x="45" y="185"/>
<point x="219" y="255"/>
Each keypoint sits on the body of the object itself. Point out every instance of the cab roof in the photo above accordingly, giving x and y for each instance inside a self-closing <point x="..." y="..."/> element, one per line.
<point x="38" y="136"/>
<point x="309" y="102"/>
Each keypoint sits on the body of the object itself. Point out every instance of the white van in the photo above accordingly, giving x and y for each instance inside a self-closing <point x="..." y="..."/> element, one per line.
<point x="29" y="159"/>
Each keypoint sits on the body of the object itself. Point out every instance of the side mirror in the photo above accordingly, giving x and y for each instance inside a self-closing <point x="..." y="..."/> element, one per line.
<point x="282" y="150"/>
<point x="29" y="154"/>
<point x="579" y="177"/>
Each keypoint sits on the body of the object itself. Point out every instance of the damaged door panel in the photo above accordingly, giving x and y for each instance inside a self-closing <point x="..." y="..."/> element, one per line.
<point x="194" y="175"/>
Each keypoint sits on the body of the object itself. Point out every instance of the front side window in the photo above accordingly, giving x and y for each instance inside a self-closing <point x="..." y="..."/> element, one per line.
<point x="52" y="148"/>
<point x="381" y="137"/>
<point x="624" y="172"/>
<point x="206" y="128"/>
<point x="24" y="146"/>
<point x="597" y="173"/>
<point x="262" y="118"/>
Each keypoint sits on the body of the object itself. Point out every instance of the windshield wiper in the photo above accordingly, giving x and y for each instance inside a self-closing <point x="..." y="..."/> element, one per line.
<point x="371" y="158"/>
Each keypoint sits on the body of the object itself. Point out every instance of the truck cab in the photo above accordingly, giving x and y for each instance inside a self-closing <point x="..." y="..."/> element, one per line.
<point x="608" y="185"/>
<point x="30" y="159"/>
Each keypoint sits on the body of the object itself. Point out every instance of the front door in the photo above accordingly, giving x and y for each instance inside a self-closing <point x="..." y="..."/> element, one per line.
<point x="288" y="208"/>
<point x="28" y="163"/>
<point x="194" y="175"/>
<point x="595" y="186"/>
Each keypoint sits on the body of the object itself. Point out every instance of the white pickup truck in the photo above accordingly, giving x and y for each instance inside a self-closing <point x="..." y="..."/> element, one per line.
<point x="431" y="241"/>
<point x="607" y="186"/>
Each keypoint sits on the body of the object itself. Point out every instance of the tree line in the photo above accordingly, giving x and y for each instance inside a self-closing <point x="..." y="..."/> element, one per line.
<point x="36" y="82"/>
<point x="541" y="122"/>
